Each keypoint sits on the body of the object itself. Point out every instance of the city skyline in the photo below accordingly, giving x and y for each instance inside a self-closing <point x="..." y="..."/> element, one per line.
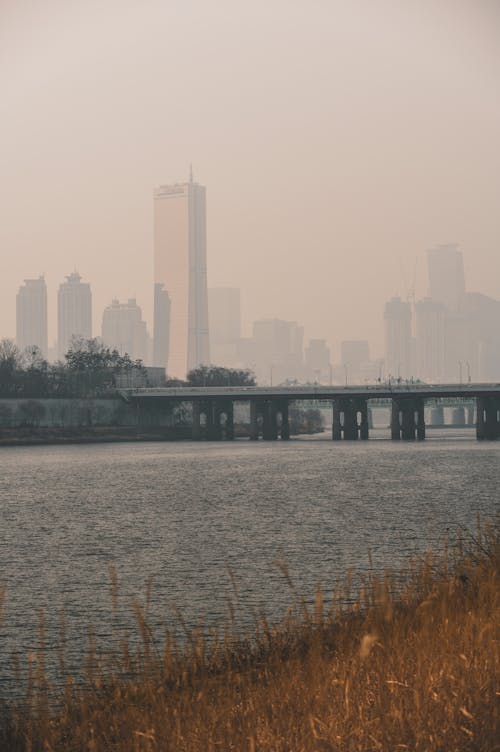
<point x="330" y="167"/>
<point x="428" y="338"/>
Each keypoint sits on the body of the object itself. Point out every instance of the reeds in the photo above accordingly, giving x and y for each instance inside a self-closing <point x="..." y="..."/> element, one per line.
<point x="402" y="668"/>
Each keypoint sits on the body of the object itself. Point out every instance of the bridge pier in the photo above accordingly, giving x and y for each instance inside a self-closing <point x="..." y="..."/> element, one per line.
<point x="270" y="424"/>
<point x="267" y="410"/>
<point x="254" y="420"/>
<point x="214" y="429"/>
<point x="350" y="419"/>
<point x="285" y="421"/>
<point x="488" y="418"/>
<point x="407" y="419"/>
<point x="196" y="426"/>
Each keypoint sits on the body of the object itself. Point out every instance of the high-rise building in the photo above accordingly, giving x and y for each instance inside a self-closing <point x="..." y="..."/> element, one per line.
<point x="224" y="314"/>
<point x="180" y="264"/>
<point x="354" y="354"/>
<point x="446" y="276"/>
<point x="124" y="330"/>
<point x="31" y="315"/>
<point x="74" y="312"/>
<point x="161" y="326"/>
<point x="398" y="339"/>
<point x="430" y="339"/>
<point x="225" y="325"/>
<point x="317" y="361"/>
<point x="278" y="350"/>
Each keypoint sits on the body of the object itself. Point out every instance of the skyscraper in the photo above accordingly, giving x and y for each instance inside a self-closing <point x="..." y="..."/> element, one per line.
<point x="124" y="330"/>
<point x="225" y="325"/>
<point x="430" y="336"/>
<point x="398" y="339"/>
<point x="446" y="276"/>
<point x="225" y="316"/>
<point x="278" y="349"/>
<point x="31" y="315"/>
<point x="74" y="312"/>
<point x="180" y="264"/>
<point x="161" y="326"/>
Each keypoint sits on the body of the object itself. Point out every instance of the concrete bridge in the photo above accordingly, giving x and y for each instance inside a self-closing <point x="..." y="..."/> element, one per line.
<point x="213" y="407"/>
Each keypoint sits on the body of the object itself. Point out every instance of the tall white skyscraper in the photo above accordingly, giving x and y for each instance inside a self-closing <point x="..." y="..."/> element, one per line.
<point x="31" y="315"/>
<point x="180" y="264"/>
<point x="74" y="312"/>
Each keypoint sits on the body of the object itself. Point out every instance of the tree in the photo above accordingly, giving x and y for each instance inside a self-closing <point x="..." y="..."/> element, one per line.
<point x="220" y="376"/>
<point x="93" y="368"/>
<point x="35" y="373"/>
<point x="10" y="366"/>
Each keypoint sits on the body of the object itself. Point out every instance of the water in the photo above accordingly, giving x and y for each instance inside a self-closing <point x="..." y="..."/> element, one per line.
<point x="182" y="513"/>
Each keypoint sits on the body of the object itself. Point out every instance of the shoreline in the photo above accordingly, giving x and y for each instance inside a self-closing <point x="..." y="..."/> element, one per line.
<point x="126" y="434"/>
<point x="410" y="668"/>
<point x="98" y="435"/>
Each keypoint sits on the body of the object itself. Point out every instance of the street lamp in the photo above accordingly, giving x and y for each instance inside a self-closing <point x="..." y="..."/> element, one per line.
<point x="345" y="369"/>
<point x="460" y="371"/>
<point x="331" y="373"/>
<point x="467" y="364"/>
<point x="271" y="375"/>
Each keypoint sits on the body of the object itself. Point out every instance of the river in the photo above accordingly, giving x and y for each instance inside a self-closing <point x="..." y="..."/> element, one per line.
<point x="182" y="513"/>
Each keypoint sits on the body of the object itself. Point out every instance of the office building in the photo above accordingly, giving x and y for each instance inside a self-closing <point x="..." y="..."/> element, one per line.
<point x="278" y="350"/>
<point x="224" y="314"/>
<point x="446" y="276"/>
<point x="161" y="326"/>
<point x="398" y="339"/>
<point x="225" y="325"/>
<point x="430" y="339"/>
<point x="31" y="315"/>
<point x="317" y="361"/>
<point x="180" y="264"/>
<point x="74" y="312"/>
<point x="354" y="354"/>
<point x="124" y="330"/>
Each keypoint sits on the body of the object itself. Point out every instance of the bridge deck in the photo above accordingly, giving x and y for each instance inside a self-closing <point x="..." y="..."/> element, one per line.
<point x="319" y="392"/>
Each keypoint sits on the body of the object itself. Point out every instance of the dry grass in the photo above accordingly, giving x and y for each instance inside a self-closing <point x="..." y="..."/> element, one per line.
<point x="417" y="671"/>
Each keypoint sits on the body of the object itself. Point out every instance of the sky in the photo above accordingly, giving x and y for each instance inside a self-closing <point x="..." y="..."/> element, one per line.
<point x="338" y="141"/>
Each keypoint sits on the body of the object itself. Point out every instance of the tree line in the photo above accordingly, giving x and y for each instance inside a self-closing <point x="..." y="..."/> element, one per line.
<point x="91" y="369"/>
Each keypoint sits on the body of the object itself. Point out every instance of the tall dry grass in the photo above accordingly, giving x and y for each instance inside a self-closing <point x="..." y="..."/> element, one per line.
<point x="413" y="670"/>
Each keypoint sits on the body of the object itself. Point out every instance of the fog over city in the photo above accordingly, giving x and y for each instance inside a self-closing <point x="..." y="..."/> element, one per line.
<point x="338" y="142"/>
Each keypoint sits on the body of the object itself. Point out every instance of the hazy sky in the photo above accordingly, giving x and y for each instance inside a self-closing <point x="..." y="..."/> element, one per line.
<point x="338" y="139"/>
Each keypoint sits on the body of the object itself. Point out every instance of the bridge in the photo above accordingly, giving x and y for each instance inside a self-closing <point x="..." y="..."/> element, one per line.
<point x="213" y="407"/>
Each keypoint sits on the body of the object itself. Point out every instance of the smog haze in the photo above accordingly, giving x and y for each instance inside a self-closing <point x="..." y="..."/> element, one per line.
<point x="338" y="141"/>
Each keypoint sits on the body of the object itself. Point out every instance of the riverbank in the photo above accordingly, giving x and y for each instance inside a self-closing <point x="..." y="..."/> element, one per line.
<point x="90" y="435"/>
<point x="415" y="669"/>
<point x="28" y="436"/>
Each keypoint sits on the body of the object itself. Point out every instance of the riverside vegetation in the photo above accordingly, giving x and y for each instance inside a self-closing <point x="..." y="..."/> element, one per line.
<point x="409" y="664"/>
